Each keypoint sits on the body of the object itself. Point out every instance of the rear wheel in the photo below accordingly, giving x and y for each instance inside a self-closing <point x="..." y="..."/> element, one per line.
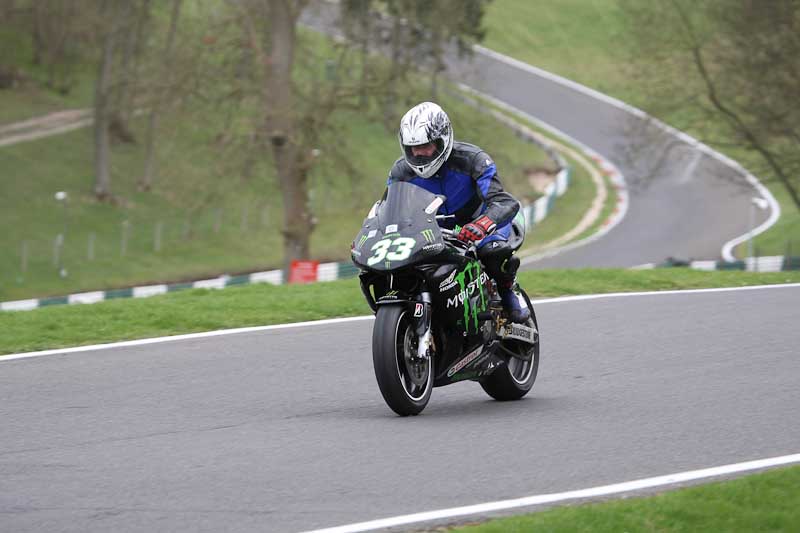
<point x="516" y="378"/>
<point x="405" y="381"/>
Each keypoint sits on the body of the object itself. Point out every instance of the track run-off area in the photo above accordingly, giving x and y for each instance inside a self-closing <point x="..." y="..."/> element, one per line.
<point x="282" y="428"/>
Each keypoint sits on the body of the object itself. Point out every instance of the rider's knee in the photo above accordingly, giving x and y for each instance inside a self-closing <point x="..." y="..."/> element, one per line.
<point x="498" y="259"/>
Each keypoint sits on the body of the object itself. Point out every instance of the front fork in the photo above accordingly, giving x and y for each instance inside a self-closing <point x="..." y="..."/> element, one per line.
<point x="423" y="315"/>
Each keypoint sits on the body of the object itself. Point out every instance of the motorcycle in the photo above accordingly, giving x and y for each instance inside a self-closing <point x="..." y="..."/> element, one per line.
<point x="438" y="316"/>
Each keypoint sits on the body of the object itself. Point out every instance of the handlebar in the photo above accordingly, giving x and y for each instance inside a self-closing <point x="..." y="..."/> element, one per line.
<point x="452" y="237"/>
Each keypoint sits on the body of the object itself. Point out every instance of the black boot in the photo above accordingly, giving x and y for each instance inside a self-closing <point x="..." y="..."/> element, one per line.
<point x="516" y="311"/>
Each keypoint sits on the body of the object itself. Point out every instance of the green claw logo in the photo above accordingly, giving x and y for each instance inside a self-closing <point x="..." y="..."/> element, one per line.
<point x="428" y="234"/>
<point x="361" y="242"/>
<point x="468" y="280"/>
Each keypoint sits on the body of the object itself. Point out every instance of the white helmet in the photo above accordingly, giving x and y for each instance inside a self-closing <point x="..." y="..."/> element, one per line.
<point x="422" y="124"/>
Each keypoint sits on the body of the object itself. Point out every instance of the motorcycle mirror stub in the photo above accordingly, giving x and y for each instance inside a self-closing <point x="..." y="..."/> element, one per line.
<point x="434" y="205"/>
<point x="374" y="211"/>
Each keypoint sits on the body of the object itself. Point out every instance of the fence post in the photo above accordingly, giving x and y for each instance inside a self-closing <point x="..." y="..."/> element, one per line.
<point x="58" y="255"/>
<point x="218" y="220"/>
<point x="90" y="246"/>
<point x="264" y="217"/>
<point x="124" y="245"/>
<point x="24" y="258"/>
<point x="157" y="237"/>
<point x="245" y="213"/>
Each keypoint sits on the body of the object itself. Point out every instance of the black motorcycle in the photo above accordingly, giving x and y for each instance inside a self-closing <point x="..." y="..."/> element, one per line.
<point x="439" y="318"/>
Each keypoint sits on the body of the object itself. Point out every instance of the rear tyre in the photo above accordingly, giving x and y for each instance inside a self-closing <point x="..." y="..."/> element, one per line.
<point x="405" y="381"/>
<point x="516" y="378"/>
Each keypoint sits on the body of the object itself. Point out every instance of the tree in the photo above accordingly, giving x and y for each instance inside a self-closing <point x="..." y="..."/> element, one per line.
<point x="416" y="36"/>
<point x="728" y="70"/>
<point x="297" y="106"/>
<point x="55" y="30"/>
<point x="114" y="14"/>
<point x="145" y="182"/>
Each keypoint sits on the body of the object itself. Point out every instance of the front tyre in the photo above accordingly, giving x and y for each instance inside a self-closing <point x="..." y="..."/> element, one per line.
<point x="516" y="378"/>
<point x="405" y="381"/>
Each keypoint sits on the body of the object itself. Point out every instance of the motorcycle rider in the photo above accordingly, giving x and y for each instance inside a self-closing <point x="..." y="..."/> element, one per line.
<point x="467" y="176"/>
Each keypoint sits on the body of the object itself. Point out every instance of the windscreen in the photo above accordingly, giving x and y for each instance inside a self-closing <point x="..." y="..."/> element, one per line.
<point x="404" y="203"/>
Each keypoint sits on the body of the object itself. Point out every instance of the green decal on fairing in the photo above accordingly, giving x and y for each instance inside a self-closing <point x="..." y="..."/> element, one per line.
<point x="467" y="280"/>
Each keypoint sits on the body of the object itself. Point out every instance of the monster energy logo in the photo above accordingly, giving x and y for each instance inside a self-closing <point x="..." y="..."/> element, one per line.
<point x="361" y="241"/>
<point x="468" y="280"/>
<point x="428" y="234"/>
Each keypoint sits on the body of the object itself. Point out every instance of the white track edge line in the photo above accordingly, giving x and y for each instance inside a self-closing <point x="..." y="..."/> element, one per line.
<point x="594" y="492"/>
<point x="216" y="333"/>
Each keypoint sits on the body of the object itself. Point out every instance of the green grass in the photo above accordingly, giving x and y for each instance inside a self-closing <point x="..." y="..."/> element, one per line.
<point x="584" y="40"/>
<point x="204" y="310"/>
<point x="768" y="501"/>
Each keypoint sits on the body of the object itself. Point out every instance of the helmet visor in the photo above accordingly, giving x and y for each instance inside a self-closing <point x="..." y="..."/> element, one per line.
<point x="419" y="159"/>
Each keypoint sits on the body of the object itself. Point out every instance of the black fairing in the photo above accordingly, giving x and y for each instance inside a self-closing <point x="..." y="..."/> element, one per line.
<point x="401" y="233"/>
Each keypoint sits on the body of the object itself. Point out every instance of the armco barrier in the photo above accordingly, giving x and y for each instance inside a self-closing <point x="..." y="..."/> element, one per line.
<point x="772" y="263"/>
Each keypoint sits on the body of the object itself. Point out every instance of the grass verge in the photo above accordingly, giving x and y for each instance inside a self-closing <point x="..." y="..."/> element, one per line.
<point x="769" y="501"/>
<point x="254" y="305"/>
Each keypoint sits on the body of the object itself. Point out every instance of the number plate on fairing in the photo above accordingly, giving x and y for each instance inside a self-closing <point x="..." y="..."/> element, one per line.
<point x="518" y="332"/>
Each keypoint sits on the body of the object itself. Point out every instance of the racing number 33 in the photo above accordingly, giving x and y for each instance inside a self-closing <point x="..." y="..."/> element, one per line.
<point x="402" y="245"/>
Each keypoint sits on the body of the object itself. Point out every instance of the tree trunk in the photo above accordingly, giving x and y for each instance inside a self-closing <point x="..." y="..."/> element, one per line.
<point x="102" y="183"/>
<point x="38" y="42"/>
<point x="282" y="132"/>
<point x="147" y="178"/>
<point x="126" y="35"/>
<point x="132" y="74"/>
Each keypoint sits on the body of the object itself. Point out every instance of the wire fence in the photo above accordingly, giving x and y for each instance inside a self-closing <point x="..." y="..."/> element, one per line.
<point x="77" y="246"/>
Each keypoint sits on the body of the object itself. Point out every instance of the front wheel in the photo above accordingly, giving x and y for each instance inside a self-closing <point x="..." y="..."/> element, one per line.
<point x="405" y="381"/>
<point x="516" y="378"/>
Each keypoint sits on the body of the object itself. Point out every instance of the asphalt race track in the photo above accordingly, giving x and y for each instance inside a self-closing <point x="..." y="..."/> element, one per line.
<point x="285" y="430"/>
